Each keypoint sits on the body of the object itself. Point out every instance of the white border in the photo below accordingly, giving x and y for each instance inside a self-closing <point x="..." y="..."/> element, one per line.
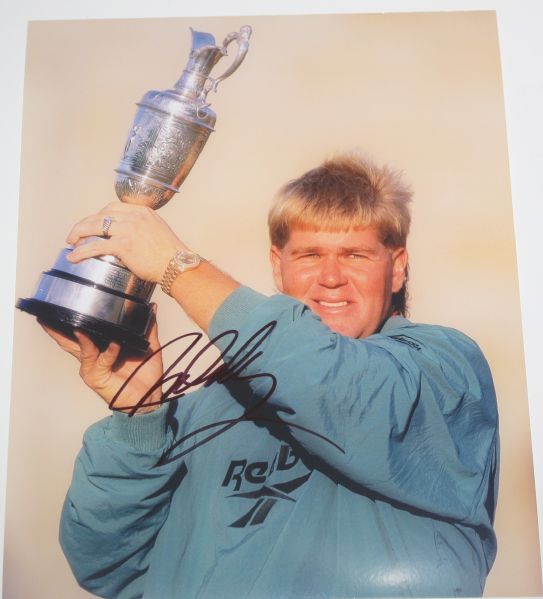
<point x="519" y="24"/>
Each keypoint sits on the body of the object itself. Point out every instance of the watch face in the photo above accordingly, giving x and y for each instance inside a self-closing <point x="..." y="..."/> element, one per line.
<point x="187" y="260"/>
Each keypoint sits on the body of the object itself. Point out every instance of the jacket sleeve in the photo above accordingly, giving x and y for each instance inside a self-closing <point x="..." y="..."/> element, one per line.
<point x="117" y="502"/>
<point x="408" y="416"/>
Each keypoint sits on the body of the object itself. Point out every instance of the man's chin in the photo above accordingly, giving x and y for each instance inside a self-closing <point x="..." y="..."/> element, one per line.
<point x="342" y="321"/>
<point x="343" y="328"/>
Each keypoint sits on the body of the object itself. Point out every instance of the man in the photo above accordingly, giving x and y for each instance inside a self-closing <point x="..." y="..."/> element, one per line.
<point x="342" y="452"/>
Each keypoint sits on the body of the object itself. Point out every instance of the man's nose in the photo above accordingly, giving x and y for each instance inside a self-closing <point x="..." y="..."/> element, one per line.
<point x="332" y="273"/>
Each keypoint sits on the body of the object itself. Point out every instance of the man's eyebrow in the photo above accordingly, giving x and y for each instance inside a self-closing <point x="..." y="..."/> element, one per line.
<point x="307" y="249"/>
<point x="362" y="249"/>
<point x="342" y="250"/>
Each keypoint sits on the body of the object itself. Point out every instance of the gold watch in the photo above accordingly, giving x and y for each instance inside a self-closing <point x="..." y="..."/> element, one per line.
<point x="182" y="261"/>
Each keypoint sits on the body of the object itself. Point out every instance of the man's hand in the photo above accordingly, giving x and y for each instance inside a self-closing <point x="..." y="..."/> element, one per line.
<point x="137" y="236"/>
<point x="105" y="372"/>
<point x="145" y="244"/>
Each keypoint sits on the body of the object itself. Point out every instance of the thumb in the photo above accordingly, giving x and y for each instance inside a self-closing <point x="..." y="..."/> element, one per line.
<point x="93" y="362"/>
<point x="88" y="351"/>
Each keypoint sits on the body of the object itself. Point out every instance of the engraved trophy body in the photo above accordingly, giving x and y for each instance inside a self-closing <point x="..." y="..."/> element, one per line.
<point x="100" y="295"/>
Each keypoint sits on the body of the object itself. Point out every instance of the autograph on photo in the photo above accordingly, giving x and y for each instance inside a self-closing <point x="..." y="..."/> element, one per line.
<point x="179" y="381"/>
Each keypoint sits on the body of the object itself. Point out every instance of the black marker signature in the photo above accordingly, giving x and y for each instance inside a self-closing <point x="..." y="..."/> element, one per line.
<point x="220" y="371"/>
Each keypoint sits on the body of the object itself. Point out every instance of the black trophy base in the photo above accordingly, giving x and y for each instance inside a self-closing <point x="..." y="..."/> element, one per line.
<point x="101" y="332"/>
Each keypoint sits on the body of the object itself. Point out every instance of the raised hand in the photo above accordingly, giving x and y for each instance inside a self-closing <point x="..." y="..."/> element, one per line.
<point x="107" y="372"/>
<point x="136" y="235"/>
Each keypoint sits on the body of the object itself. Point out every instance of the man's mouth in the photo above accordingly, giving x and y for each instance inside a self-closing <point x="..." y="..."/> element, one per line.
<point x="332" y="304"/>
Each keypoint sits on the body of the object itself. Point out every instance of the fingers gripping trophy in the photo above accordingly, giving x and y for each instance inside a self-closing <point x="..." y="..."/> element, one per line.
<point x="100" y="295"/>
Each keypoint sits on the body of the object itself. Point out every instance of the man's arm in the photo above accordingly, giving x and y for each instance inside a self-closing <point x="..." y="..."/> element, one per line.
<point x="117" y="502"/>
<point x="120" y="495"/>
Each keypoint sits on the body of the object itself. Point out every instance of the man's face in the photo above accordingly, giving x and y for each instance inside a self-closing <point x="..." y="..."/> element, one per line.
<point x="345" y="277"/>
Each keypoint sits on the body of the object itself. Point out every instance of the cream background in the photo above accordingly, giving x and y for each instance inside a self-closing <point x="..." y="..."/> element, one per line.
<point x="422" y="92"/>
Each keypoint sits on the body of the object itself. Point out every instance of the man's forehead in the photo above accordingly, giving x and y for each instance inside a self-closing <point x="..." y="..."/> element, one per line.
<point x="368" y="236"/>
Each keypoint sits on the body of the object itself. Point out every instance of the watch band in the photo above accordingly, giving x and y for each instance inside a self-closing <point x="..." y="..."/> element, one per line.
<point x="181" y="261"/>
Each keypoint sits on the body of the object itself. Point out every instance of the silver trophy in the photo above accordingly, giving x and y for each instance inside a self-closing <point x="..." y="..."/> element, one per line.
<point x="100" y="295"/>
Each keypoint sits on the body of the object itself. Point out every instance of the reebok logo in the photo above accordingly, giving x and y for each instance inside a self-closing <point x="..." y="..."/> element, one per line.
<point x="267" y="495"/>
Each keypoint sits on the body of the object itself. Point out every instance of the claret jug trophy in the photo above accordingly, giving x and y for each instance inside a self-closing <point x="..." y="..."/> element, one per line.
<point x="100" y="295"/>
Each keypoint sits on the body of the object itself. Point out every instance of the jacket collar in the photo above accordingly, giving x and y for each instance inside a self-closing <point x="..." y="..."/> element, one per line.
<point x="394" y="322"/>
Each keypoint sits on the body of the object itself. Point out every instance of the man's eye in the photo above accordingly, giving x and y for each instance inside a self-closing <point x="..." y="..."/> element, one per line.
<point x="356" y="256"/>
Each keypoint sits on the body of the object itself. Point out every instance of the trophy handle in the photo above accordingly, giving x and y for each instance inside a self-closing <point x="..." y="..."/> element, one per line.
<point x="242" y="38"/>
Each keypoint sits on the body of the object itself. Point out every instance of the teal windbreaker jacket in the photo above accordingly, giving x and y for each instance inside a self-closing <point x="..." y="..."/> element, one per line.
<point x="314" y="465"/>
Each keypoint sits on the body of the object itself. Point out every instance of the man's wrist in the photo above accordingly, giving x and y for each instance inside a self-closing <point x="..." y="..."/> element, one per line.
<point x="146" y="432"/>
<point x="182" y="261"/>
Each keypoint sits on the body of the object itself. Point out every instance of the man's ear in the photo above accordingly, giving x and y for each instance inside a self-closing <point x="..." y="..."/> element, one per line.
<point x="400" y="258"/>
<point x="275" y="259"/>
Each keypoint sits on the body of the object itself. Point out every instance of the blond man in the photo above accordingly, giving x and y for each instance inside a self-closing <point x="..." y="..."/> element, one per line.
<point x="340" y="451"/>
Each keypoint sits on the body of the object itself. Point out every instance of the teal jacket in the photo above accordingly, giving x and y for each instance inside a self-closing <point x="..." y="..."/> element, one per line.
<point x="315" y="465"/>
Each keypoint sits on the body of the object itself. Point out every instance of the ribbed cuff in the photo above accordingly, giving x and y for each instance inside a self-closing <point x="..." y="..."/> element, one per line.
<point x="145" y="432"/>
<point x="233" y="311"/>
